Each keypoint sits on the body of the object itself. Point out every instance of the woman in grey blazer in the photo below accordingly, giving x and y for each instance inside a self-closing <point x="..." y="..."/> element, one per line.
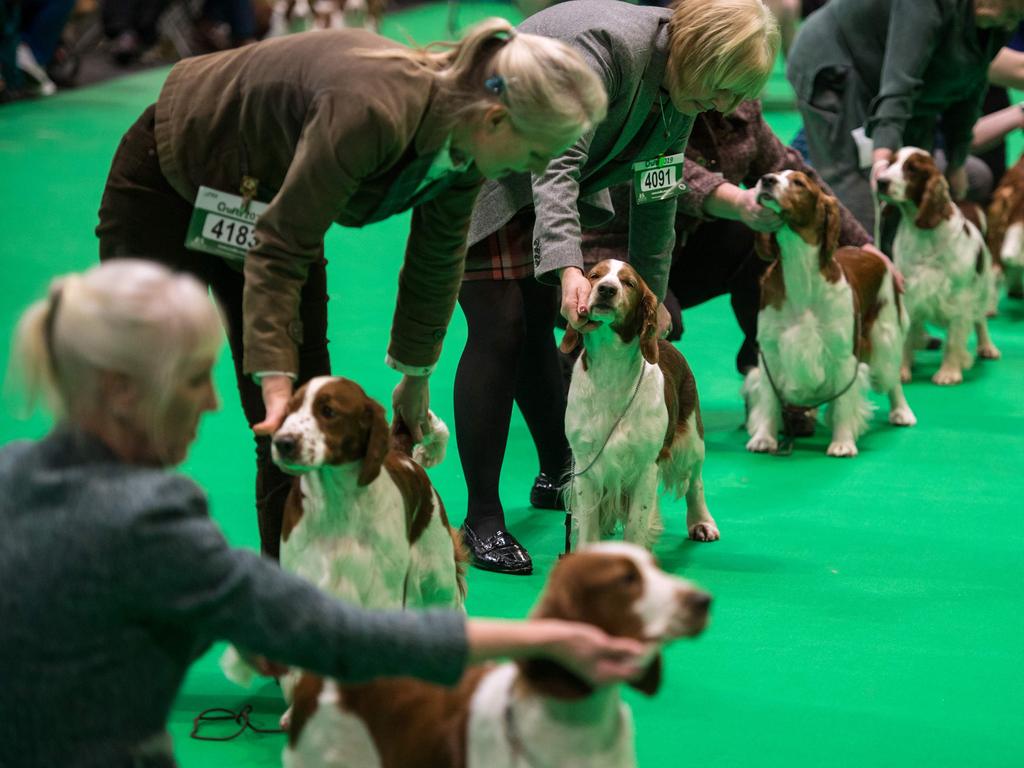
<point x="114" y="576"/>
<point x="660" y="68"/>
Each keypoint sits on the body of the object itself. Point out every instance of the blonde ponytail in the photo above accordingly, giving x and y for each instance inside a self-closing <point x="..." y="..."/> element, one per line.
<point x="547" y="87"/>
<point x="31" y="363"/>
<point x="126" y="316"/>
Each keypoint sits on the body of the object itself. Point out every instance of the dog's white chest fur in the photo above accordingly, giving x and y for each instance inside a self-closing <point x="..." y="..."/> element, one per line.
<point x="807" y="343"/>
<point x="615" y="436"/>
<point x="605" y="414"/>
<point x="596" y="737"/>
<point x="941" y="266"/>
<point x="351" y="542"/>
<point x="332" y="737"/>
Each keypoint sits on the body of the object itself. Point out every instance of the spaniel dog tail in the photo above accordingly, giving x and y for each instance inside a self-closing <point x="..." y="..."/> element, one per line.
<point x="431" y="450"/>
<point x="236" y="668"/>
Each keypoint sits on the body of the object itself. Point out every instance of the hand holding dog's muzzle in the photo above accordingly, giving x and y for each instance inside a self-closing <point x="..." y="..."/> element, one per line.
<point x="877" y="169"/>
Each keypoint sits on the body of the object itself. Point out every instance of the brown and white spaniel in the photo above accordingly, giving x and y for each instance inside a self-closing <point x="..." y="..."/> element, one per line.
<point x="945" y="261"/>
<point x="1006" y="229"/>
<point x="513" y="715"/>
<point x="633" y="417"/>
<point x="362" y="520"/>
<point x="830" y="322"/>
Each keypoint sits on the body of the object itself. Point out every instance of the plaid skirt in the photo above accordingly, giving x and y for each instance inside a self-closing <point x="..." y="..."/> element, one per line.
<point x="508" y="253"/>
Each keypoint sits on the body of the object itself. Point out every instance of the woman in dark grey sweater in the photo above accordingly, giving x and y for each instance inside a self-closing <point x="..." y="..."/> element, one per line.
<point x="893" y="68"/>
<point x="115" y="578"/>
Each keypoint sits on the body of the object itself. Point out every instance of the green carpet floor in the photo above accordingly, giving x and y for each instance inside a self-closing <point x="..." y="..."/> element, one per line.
<point x="868" y="612"/>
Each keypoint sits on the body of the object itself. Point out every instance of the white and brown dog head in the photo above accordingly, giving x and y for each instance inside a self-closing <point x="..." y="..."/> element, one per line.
<point x="915" y="185"/>
<point x="1006" y="219"/>
<point x="621" y="299"/>
<point x="332" y="421"/>
<point x="619" y="588"/>
<point x="805" y="208"/>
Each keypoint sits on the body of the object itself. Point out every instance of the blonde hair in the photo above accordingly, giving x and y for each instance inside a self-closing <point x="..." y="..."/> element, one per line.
<point x="716" y="44"/>
<point x="127" y="316"/>
<point x="547" y="87"/>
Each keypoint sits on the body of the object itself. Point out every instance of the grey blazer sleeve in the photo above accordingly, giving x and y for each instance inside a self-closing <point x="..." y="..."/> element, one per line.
<point x="914" y="29"/>
<point x="179" y="570"/>
<point x="557" y="233"/>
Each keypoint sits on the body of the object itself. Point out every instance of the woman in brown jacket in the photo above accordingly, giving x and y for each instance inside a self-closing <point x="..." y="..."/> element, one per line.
<point x="250" y="155"/>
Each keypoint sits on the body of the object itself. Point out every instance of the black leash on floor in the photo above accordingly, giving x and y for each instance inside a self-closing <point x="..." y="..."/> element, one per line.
<point x="219" y="715"/>
<point x="573" y="474"/>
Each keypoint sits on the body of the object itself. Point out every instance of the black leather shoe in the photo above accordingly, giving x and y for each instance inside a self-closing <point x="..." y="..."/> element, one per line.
<point x="546" y="494"/>
<point x="500" y="553"/>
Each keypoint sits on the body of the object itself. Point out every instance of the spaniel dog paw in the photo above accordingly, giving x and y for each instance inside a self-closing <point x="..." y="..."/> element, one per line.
<point x="989" y="352"/>
<point x="948" y="376"/>
<point x="704" y="531"/>
<point x="842" y="449"/>
<point x="902" y="417"/>
<point x="762" y="444"/>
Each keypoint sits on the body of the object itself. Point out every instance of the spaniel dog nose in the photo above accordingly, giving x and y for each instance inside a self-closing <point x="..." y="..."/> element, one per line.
<point x="286" y="445"/>
<point x="699" y="601"/>
<point x="883" y="186"/>
<point x="768" y="181"/>
<point x="606" y="291"/>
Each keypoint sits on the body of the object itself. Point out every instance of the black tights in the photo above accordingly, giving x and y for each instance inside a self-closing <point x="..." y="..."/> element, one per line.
<point x="718" y="258"/>
<point x="510" y="355"/>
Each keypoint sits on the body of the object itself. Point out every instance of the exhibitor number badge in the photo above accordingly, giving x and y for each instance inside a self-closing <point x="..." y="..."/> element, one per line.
<point x="658" y="179"/>
<point x="223" y="225"/>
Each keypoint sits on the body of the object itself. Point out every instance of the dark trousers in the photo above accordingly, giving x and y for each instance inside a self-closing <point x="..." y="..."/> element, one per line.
<point x="142" y="216"/>
<point x="138" y="16"/>
<point x="718" y="258"/>
<point x="42" y="22"/>
<point x="510" y="355"/>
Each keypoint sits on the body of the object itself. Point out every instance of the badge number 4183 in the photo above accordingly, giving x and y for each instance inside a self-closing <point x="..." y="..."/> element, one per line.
<point x="222" y="225"/>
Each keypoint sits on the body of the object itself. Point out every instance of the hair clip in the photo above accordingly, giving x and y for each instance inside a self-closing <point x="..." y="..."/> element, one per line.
<point x="495" y="84"/>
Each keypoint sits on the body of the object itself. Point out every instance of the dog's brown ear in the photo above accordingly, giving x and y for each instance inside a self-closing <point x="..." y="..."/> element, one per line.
<point x="401" y="436"/>
<point x="998" y="220"/>
<point x="570" y="340"/>
<point x="650" y="681"/>
<point x="557" y="602"/>
<point x="934" y="202"/>
<point x="377" y="442"/>
<point x="830" y="228"/>
<point x="766" y="246"/>
<point x="648" y="310"/>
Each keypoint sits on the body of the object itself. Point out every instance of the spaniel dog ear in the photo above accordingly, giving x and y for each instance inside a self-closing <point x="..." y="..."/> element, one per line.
<point x="830" y="227"/>
<point x="570" y="340"/>
<point x="648" y="309"/>
<point x="377" y="442"/>
<point x="650" y="681"/>
<point x="766" y="246"/>
<point x="998" y="220"/>
<point x="933" y="202"/>
<point x="549" y="677"/>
